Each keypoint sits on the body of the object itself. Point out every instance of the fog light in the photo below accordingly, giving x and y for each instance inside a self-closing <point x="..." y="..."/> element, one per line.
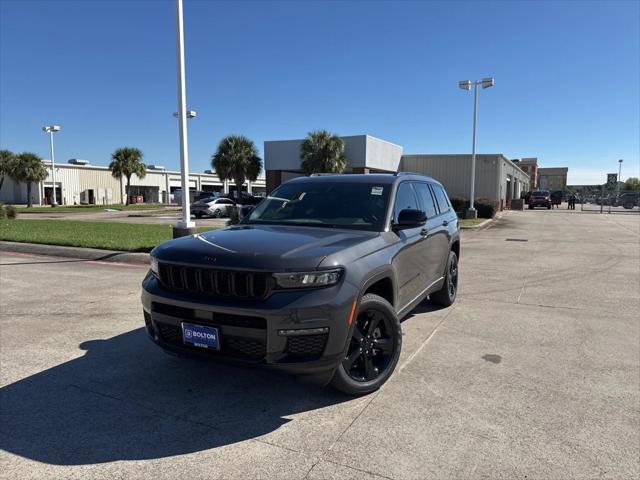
<point x="303" y="331"/>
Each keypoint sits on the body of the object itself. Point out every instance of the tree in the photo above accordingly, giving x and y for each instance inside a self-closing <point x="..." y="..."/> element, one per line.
<point x="237" y="159"/>
<point x="7" y="160"/>
<point x="632" y="183"/>
<point x="322" y="152"/>
<point x="28" y="168"/>
<point x="125" y="162"/>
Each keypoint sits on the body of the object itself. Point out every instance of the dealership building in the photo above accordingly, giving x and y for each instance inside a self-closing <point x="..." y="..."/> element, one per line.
<point x="497" y="177"/>
<point x="79" y="182"/>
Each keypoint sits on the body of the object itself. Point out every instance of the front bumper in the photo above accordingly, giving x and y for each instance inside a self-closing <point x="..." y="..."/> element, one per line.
<point x="251" y="332"/>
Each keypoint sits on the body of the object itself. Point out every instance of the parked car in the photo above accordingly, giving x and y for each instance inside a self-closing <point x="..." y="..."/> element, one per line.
<point x="540" y="199"/>
<point x="212" y="207"/>
<point x="315" y="280"/>
<point x="556" y="197"/>
<point x="244" y="198"/>
<point x="628" y="200"/>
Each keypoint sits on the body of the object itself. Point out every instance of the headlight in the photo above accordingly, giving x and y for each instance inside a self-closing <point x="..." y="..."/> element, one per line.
<point x="321" y="278"/>
<point x="154" y="266"/>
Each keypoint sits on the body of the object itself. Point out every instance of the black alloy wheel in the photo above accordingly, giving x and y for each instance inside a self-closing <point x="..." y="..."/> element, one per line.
<point x="449" y="291"/>
<point x="373" y="349"/>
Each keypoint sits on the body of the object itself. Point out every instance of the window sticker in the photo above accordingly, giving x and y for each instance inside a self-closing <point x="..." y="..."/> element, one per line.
<point x="376" y="190"/>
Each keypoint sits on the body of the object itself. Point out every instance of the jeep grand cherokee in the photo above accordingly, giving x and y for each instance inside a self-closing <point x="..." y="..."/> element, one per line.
<point x="315" y="279"/>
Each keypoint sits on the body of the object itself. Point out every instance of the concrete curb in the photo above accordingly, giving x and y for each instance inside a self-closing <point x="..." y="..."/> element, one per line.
<point x="75" y="252"/>
<point x="480" y="225"/>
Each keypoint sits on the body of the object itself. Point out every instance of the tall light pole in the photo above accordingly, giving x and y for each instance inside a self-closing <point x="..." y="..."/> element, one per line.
<point x="185" y="226"/>
<point x="51" y="129"/>
<point x="466" y="85"/>
<point x="619" y="174"/>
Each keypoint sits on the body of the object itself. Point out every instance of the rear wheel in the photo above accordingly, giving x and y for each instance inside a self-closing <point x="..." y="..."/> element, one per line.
<point x="198" y="214"/>
<point x="449" y="291"/>
<point x="374" y="348"/>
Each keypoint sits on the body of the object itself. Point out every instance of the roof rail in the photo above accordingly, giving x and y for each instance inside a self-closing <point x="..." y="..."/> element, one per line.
<point x="323" y="174"/>
<point x="400" y="174"/>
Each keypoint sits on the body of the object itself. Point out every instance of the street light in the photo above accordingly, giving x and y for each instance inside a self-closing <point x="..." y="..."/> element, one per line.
<point x="51" y="129"/>
<point x="466" y="85"/>
<point x="185" y="226"/>
<point x="619" y="174"/>
<point x="190" y="114"/>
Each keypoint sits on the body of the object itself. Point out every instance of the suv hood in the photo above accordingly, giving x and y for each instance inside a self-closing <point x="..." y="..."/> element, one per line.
<point x="261" y="247"/>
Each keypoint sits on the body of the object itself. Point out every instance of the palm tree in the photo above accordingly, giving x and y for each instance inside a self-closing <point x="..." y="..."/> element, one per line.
<point x="322" y="152"/>
<point x="237" y="159"/>
<point x="125" y="162"/>
<point x="7" y="160"/>
<point x="28" y="168"/>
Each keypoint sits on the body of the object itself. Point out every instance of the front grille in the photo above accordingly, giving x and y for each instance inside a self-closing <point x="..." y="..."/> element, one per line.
<point x="214" y="282"/>
<point x="241" y="348"/>
<point x="306" y="345"/>
<point x="217" y="318"/>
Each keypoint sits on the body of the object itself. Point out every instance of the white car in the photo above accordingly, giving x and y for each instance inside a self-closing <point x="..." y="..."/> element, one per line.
<point x="212" y="207"/>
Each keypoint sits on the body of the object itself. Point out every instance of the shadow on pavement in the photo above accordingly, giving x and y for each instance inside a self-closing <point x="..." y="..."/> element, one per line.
<point x="126" y="400"/>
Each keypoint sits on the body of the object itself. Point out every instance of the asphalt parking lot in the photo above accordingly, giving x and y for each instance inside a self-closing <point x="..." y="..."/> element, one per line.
<point x="533" y="373"/>
<point x="162" y="216"/>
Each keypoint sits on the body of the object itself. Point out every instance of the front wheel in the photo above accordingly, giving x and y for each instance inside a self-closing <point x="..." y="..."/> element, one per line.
<point x="217" y="213"/>
<point x="374" y="348"/>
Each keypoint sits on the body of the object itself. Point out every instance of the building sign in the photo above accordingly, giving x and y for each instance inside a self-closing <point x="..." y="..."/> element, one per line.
<point x="612" y="179"/>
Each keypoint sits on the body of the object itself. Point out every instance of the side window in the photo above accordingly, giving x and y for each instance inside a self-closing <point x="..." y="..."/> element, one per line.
<point x="426" y="199"/>
<point x="441" y="198"/>
<point x="405" y="198"/>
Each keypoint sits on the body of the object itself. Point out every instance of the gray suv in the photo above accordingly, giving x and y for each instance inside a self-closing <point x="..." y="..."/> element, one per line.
<point x="314" y="280"/>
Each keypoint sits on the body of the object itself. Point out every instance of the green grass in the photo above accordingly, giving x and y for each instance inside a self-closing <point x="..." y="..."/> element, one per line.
<point x="111" y="236"/>
<point x="470" y="222"/>
<point x="88" y="208"/>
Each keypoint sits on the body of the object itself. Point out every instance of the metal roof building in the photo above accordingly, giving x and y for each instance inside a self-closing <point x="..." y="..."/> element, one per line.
<point x="82" y="183"/>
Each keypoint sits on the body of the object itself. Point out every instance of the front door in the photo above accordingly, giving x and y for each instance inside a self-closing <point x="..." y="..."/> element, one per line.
<point x="408" y="262"/>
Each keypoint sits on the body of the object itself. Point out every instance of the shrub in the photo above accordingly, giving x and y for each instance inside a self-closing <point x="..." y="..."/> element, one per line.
<point x="486" y="208"/>
<point x="7" y="211"/>
<point x="459" y="204"/>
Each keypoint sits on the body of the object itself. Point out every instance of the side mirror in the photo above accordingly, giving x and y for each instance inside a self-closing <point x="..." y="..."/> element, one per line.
<point x="411" y="218"/>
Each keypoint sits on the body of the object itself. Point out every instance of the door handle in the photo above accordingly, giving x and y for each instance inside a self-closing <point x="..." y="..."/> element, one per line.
<point x="445" y="223"/>
<point x="424" y="232"/>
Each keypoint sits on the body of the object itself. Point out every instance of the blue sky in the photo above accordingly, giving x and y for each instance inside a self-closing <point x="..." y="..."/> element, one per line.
<point x="567" y="77"/>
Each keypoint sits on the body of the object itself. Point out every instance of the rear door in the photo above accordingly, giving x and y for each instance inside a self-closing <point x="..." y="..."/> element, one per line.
<point x="442" y="227"/>
<point x="431" y="251"/>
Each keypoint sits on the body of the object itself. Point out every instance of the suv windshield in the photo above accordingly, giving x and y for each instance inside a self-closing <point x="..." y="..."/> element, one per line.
<point x="540" y="194"/>
<point x="360" y="206"/>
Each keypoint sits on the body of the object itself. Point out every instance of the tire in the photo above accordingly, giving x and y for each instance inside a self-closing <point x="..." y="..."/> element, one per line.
<point x="530" y="207"/>
<point x="628" y="205"/>
<point x="198" y="214"/>
<point x="365" y="367"/>
<point x="548" y="207"/>
<point x="449" y="291"/>
<point x="217" y="213"/>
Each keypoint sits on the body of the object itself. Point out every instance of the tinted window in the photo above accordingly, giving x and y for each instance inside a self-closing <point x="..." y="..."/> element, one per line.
<point x="318" y="204"/>
<point x="405" y="198"/>
<point x="426" y="199"/>
<point x="441" y="198"/>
